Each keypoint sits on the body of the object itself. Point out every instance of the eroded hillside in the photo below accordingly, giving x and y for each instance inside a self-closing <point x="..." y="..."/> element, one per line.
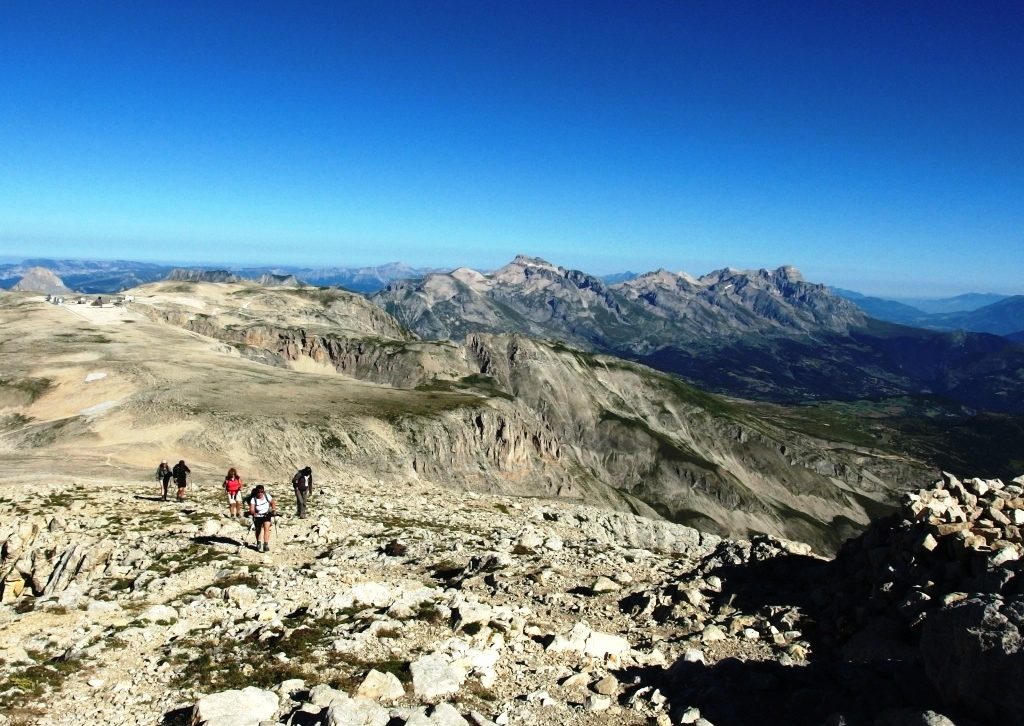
<point x="267" y="379"/>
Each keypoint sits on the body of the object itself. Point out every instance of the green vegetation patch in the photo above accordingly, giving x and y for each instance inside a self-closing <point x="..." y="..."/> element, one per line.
<point x="31" y="683"/>
<point x="214" y="665"/>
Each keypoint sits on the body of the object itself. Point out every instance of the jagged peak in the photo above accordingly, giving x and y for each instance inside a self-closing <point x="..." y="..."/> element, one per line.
<point x="528" y="261"/>
<point x="661" y="275"/>
<point x="790" y="273"/>
<point x="787" y="273"/>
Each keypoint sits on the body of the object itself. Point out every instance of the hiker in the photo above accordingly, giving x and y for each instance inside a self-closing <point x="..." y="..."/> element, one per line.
<point x="262" y="509"/>
<point x="233" y="487"/>
<point x="163" y="474"/>
<point x="180" y="473"/>
<point x="302" y="482"/>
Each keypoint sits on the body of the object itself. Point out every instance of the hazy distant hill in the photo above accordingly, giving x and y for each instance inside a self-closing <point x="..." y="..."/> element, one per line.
<point x="882" y="309"/>
<point x="89" y="276"/>
<point x="956" y="304"/>
<point x="617" y="277"/>
<point x="1001" y="318"/>
<point x="40" y="279"/>
<point x="1005" y="316"/>
<point x="116" y="275"/>
<point x="765" y="334"/>
<point x="362" y="279"/>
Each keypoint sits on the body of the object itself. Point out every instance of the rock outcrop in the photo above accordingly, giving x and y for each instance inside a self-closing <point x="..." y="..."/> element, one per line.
<point x="184" y="274"/>
<point x="269" y="279"/>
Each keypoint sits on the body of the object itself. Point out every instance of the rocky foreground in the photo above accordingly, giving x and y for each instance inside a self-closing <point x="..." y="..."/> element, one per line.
<point x="402" y="603"/>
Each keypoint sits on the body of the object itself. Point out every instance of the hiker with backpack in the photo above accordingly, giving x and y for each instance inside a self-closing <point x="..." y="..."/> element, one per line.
<point x="163" y="474"/>
<point x="262" y="509"/>
<point x="180" y="473"/>
<point x="233" y="487"/>
<point x="302" y="483"/>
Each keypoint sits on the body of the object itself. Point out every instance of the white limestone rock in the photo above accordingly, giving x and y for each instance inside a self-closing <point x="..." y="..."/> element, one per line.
<point x="247" y="707"/>
<point x="358" y="711"/>
<point x="381" y="686"/>
<point x="434" y="676"/>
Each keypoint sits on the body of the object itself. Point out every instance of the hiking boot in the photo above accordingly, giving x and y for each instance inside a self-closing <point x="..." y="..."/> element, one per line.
<point x="266" y="547"/>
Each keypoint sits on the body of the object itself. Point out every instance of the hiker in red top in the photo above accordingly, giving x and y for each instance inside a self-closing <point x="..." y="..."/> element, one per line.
<point x="233" y="486"/>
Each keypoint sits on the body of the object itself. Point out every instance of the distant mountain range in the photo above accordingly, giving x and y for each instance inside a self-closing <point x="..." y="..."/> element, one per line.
<point x="117" y="275"/>
<point x="976" y="312"/>
<point x="763" y="334"/>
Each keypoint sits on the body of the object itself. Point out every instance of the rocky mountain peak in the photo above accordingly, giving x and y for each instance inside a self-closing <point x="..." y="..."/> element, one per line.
<point x="269" y="279"/>
<point x="523" y="267"/>
<point x="40" y="279"/>
<point x="184" y="274"/>
<point x="788" y="273"/>
<point x="661" y="276"/>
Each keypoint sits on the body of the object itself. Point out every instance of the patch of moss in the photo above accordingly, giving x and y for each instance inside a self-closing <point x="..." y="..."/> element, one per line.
<point x="36" y="680"/>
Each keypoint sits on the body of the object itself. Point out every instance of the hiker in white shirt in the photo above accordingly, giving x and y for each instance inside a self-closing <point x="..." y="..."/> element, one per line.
<point x="262" y="509"/>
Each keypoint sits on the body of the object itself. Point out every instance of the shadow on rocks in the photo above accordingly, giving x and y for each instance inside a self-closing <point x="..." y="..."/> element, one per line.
<point x="177" y="717"/>
<point x="859" y="677"/>
<point x="216" y="539"/>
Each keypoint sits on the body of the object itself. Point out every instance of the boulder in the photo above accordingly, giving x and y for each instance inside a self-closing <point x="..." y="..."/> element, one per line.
<point x="358" y="711"/>
<point x="381" y="686"/>
<point x="240" y="595"/>
<point x="247" y="707"/>
<point x="373" y="594"/>
<point x="604" y="584"/>
<point x="433" y="676"/>
<point x="322" y="695"/>
<point x="445" y="714"/>
<point x="602" y="645"/>
<point x="157" y="613"/>
<point x="973" y="653"/>
<point x="912" y="717"/>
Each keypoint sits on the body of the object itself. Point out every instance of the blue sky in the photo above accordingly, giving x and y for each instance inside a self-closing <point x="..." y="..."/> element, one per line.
<point x="875" y="145"/>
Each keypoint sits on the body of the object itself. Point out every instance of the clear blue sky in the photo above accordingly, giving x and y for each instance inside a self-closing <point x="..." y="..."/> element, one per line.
<point x="875" y="145"/>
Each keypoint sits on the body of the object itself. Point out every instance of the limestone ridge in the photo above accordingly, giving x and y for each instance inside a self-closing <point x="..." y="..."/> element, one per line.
<point x="183" y="274"/>
<point x="532" y="296"/>
<point x="40" y="279"/>
<point x="764" y="334"/>
<point x="520" y="416"/>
